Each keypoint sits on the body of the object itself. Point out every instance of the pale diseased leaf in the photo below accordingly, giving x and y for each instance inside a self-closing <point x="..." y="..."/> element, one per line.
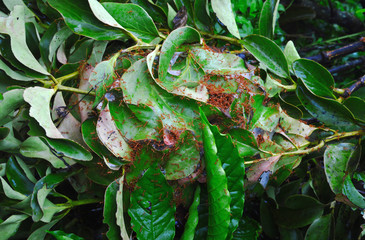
<point x="120" y="210"/>
<point x="14" y="26"/>
<point x="39" y="99"/>
<point x="223" y="9"/>
<point x="111" y="138"/>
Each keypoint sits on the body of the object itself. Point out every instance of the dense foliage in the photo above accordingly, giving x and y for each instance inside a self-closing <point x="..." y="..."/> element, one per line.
<point x="188" y="119"/>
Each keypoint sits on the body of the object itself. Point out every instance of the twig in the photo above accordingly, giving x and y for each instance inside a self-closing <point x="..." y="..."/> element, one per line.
<point x="348" y="91"/>
<point x="349" y="65"/>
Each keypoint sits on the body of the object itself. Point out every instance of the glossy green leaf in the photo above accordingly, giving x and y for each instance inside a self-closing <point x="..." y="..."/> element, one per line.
<point x="9" y="227"/>
<point x="223" y="9"/>
<point x="192" y="221"/>
<point x="320" y="228"/>
<point x="152" y="208"/>
<point x="267" y="19"/>
<point x="339" y="160"/>
<point x="17" y="177"/>
<point x="330" y="112"/>
<point x="157" y="14"/>
<point x="268" y="53"/>
<point x="357" y="106"/>
<point x="248" y="229"/>
<point x="315" y="77"/>
<point x="110" y="208"/>
<point x="219" y="196"/>
<point x="80" y="19"/>
<point x="11" y="101"/>
<point x="61" y="235"/>
<point x="352" y="193"/>
<point x="134" y="19"/>
<point x="34" y="147"/>
<point x="299" y="211"/>
<point x="11" y="193"/>
<point x="68" y="148"/>
<point x="14" y="26"/>
<point x="234" y="168"/>
<point x="291" y="53"/>
<point x="39" y="99"/>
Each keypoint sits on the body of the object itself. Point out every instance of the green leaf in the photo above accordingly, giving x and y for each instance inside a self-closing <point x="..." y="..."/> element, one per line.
<point x="291" y="53"/>
<point x="234" y="168"/>
<point x="248" y="229"/>
<point x="267" y="19"/>
<point x="185" y="159"/>
<point x="315" y="77"/>
<point x="110" y="208"/>
<point x="339" y="161"/>
<point x="17" y="177"/>
<point x="13" y="74"/>
<point x="320" y="228"/>
<point x="201" y="15"/>
<point x="192" y="222"/>
<point x="299" y="211"/>
<point x="219" y="196"/>
<point x="245" y="142"/>
<point x="134" y="19"/>
<point x="11" y="193"/>
<point x="352" y="193"/>
<point x="11" y="101"/>
<point x="357" y="106"/>
<point x="152" y="208"/>
<point x="14" y="26"/>
<point x="97" y="52"/>
<point x="57" y="40"/>
<point x="61" y="235"/>
<point x="9" y="227"/>
<point x="186" y="79"/>
<point x="34" y="147"/>
<point x="223" y="9"/>
<point x="41" y="232"/>
<point x="176" y="114"/>
<point x="332" y="113"/>
<point x="68" y="148"/>
<point x="264" y="117"/>
<point x="268" y="53"/>
<point x="88" y="129"/>
<point x="80" y="19"/>
<point x="102" y="77"/>
<point x="39" y="99"/>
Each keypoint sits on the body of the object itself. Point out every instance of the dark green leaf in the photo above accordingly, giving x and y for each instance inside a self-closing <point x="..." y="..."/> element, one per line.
<point x="268" y="53"/>
<point x="357" y="106"/>
<point x="248" y="229"/>
<point x="352" y="194"/>
<point x="315" y="77"/>
<point x="110" y="208"/>
<point x="80" y="19"/>
<point x="330" y="112"/>
<point x="17" y="177"/>
<point x="219" y="196"/>
<point x="61" y="235"/>
<point x="267" y="19"/>
<point x="152" y="208"/>
<point x="223" y="9"/>
<point x="320" y="228"/>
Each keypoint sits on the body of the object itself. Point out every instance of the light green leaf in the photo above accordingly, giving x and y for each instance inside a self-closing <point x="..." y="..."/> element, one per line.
<point x="339" y="161"/>
<point x="291" y="53"/>
<point x="192" y="222"/>
<point x="14" y="26"/>
<point x="80" y="19"/>
<point x="39" y="99"/>
<point x="219" y="196"/>
<point x="352" y="193"/>
<point x="110" y="208"/>
<point x="61" y="235"/>
<point x="97" y="52"/>
<point x="264" y="117"/>
<point x="9" y="227"/>
<point x="268" y="53"/>
<point x="14" y="74"/>
<point x="315" y="77"/>
<point x="11" y="101"/>
<point x="152" y="207"/>
<point x="223" y="9"/>
<point x="34" y="147"/>
<point x="57" y="40"/>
